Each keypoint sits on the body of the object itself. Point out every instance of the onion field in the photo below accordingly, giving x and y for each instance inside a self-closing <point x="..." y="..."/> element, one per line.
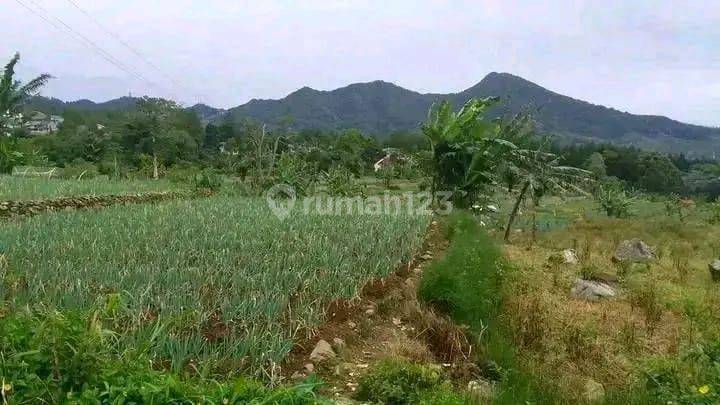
<point x="22" y="188"/>
<point x="219" y="282"/>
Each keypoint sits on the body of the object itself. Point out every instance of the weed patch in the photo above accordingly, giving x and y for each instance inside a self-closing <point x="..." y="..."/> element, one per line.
<point x="395" y="382"/>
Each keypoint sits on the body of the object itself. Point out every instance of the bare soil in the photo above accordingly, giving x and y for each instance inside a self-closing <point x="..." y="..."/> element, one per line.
<point x="384" y="321"/>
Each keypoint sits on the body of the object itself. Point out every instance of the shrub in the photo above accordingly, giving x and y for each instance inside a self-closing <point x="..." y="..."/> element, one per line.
<point x="466" y="283"/>
<point x="614" y="201"/>
<point x="207" y="180"/>
<point x="296" y="172"/>
<point x="339" y="181"/>
<point x="714" y="218"/>
<point x="79" y="169"/>
<point x="182" y="173"/>
<point x="691" y="378"/>
<point x="398" y="382"/>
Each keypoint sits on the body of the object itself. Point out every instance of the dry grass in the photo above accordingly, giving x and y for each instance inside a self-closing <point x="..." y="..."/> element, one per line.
<point x="662" y="308"/>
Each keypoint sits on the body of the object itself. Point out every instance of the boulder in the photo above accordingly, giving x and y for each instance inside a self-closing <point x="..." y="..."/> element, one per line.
<point x="714" y="268"/>
<point x="322" y="351"/>
<point x="594" y="392"/>
<point x="481" y="391"/>
<point x="634" y="251"/>
<point x="591" y="290"/>
<point x="569" y="256"/>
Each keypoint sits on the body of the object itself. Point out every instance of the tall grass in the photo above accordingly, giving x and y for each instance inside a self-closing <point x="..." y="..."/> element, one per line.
<point x="225" y="280"/>
<point x="468" y="284"/>
<point x="20" y="188"/>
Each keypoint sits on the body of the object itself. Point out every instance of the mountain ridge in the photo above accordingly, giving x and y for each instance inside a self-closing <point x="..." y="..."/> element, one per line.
<point x="380" y="107"/>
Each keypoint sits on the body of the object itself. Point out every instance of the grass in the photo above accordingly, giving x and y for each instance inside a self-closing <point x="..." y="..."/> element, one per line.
<point x="48" y="357"/>
<point x="469" y="284"/>
<point x="21" y="188"/>
<point x="218" y="284"/>
<point x="643" y="347"/>
<point x="395" y="382"/>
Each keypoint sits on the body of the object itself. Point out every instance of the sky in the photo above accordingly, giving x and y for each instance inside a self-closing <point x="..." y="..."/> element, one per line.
<point x="644" y="57"/>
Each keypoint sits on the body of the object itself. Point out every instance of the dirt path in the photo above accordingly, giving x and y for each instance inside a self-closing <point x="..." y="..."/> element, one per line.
<point x="385" y="321"/>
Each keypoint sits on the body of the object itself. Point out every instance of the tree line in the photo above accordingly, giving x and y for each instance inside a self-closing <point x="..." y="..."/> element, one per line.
<point x="158" y="137"/>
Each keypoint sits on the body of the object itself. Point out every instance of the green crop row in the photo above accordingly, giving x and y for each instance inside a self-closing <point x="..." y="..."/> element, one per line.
<point x="219" y="282"/>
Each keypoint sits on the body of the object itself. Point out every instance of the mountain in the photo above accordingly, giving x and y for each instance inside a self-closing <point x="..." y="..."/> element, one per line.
<point x="207" y="113"/>
<point x="380" y="107"/>
<point x="55" y="106"/>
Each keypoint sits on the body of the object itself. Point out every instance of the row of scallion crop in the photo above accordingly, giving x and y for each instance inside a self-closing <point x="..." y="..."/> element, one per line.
<point x="22" y="188"/>
<point x="218" y="283"/>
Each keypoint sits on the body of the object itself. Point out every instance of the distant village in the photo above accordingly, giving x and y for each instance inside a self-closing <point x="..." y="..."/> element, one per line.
<point x="39" y="123"/>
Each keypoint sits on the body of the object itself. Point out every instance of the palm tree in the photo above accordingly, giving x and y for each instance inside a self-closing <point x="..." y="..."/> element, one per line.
<point x="13" y="93"/>
<point x="540" y="173"/>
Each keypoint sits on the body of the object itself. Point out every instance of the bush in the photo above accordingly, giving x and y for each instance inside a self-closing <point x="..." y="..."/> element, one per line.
<point x="614" y="201"/>
<point x="691" y="378"/>
<point x="296" y="172"/>
<point x="182" y="173"/>
<point x="207" y="180"/>
<point x="466" y="283"/>
<point x="395" y="382"/>
<point x="339" y="181"/>
<point x="79" y="169"/>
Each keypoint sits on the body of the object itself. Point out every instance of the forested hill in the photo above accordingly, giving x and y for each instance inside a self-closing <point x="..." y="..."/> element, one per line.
<point x="56" y="106"/>
<point x="380" y="108"/>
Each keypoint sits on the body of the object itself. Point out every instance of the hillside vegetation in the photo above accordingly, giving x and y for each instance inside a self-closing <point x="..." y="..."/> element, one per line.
<point x="380" y="108"/>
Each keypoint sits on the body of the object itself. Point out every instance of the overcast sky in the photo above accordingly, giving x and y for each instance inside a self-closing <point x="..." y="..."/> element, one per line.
<point x="645" y="57"/>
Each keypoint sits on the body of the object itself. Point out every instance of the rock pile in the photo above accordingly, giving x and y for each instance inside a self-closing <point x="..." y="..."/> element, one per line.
<point x="32" y="207"/>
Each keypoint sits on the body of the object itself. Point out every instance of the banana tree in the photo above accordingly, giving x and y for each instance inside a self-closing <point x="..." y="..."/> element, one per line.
<point x="13" y="93"/>
<point x="465" y="148"/>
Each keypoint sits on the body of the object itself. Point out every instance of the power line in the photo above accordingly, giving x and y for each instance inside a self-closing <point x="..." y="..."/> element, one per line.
<point x="128" y="46"/>
<point x="86" y="41"/>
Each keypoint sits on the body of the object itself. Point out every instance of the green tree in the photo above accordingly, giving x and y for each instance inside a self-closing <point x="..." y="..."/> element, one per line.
<point x="156" y="129"/>
<point x="465" y="149"/>
<point x="531" y="166"/>
<point x="13" y="93"/>
<point x="541" y="173"/>
<point x="596" y="165"/>
<point x="657" y="173"/>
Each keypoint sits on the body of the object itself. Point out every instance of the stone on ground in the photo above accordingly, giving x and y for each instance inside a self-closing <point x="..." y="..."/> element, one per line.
<point x="322" y="351"/>
<point x="569" y="256"/>
<point x="594" y="391"/>
<point x="591" y="290"/>
<point x="634" y="251"/>
<point x="715" y="270"/>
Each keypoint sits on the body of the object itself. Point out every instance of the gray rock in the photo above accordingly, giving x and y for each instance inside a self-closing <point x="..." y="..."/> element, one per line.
<point x="322" y="351"/>
<point x="594" y="392"/>
<point x="591" y="290"/>
<point x="714" y="268"/>
<point x="634" y="251"/>
<point x="481" y="391"/>
<point x="569" y="256"/>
